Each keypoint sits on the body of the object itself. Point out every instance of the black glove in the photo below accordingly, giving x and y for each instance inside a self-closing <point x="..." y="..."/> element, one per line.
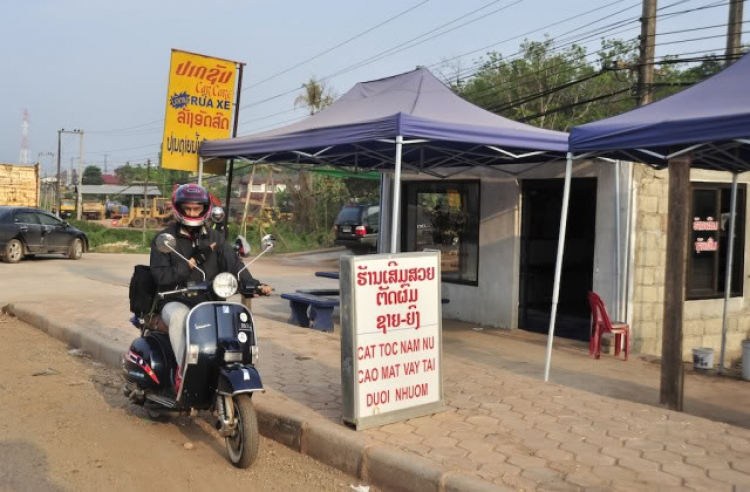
<point x="202" y="252"/>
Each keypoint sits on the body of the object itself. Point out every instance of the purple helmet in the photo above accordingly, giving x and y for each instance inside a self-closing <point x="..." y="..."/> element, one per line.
<point x="194" y="194"/>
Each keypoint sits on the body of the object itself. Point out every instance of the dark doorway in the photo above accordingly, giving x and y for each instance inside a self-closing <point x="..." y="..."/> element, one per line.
<point x="540" y="226"/>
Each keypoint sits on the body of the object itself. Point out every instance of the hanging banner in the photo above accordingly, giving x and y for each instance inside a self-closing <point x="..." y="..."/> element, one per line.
<point x="199" y="107"/>
<point x="391" y="343"/>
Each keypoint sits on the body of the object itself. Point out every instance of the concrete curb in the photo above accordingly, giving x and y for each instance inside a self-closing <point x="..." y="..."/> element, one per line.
<point x="356" y="454"/>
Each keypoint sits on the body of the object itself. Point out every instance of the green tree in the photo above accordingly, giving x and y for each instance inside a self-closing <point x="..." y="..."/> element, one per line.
<point x="302" y="191"/>
<point x="165" y="179"/>
<point x="92" y="175"/>
<point x="559" y="88"/>
<point x="553" y="88"/>
<point x="317" y="95"/>
<point x="125" y="173"/>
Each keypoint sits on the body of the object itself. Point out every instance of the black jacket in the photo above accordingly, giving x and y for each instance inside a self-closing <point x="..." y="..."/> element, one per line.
<point x="171" y="272"/>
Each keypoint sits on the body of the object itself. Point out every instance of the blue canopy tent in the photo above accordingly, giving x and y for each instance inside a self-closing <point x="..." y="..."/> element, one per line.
<point x="709" y="124"/>
<point x="409" y="121"/>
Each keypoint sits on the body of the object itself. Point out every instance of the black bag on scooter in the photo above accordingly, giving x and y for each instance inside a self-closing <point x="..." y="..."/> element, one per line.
<point x="142" y="291"/>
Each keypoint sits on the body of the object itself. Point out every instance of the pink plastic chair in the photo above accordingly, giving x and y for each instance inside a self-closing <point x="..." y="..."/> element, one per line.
<point x="600" y="324"/>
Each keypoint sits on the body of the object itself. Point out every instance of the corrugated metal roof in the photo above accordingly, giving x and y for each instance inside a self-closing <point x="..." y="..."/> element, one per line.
<point x="136" y="189"/>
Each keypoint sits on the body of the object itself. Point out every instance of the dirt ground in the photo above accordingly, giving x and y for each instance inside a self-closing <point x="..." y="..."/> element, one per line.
<point x="64" y="425"/>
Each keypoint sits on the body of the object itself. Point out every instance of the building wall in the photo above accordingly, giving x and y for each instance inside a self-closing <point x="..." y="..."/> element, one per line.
<point x="19" y="185"/>
<point x="702" y="324"/>
<point x="494" y="302"/>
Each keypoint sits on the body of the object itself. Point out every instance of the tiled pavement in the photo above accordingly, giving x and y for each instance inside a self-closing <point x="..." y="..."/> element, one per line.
<point x="521" y="433"/>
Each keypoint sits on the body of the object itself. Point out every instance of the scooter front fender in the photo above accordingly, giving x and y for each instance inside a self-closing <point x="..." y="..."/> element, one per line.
<point x="236" y="380"/>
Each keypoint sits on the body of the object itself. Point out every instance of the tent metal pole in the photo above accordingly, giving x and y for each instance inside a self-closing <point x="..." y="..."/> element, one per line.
<point x="618" y="250"/>
<point x="396" y="194"/>
<point x="558" y="263"/>
<point x="384" y="241"/>
<point x="728" y="273"/>
<point x="200" y="171"/>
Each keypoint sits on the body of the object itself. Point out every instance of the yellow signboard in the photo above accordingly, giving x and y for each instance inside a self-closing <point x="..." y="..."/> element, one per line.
<point x="199" y="107"/>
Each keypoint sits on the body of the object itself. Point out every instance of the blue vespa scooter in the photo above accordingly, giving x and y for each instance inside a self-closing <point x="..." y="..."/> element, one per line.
<point x="219" y="373"/>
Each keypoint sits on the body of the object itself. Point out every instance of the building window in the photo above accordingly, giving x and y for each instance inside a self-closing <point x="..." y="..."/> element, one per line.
<point x="444" y="216"/>
<point x="709" y="241"/>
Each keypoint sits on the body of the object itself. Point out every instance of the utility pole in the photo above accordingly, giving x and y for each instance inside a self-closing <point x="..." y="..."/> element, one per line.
<point x="678" y="218"/>
<point x="58" y="197"/>
<point x="80" y="171"/>
<point x="648" y="48"/>
<point x="734" y="32"/>
<point x="145" y="200"/>
<point x="105" y="163"/>
<point x="79" y="198"/>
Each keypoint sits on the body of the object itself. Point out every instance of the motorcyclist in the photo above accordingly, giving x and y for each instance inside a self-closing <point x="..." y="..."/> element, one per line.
<point x="206" y="249"/>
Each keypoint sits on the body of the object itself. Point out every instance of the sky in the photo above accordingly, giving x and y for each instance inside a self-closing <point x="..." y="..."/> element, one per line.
<point x="102" y="65"/>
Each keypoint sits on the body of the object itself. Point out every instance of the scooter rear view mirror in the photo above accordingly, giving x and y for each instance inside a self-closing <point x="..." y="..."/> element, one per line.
<point x="165" y="243"/>
<point x="268" y="242"/>
<point x="242" y="246"/>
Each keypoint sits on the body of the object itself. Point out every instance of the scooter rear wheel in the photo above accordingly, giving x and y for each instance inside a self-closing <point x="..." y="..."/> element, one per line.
<point x="243" y="446"/>
<point x="157" y="416"/>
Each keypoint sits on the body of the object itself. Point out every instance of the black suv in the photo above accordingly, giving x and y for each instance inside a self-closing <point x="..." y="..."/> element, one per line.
<point x="357" y="226"/>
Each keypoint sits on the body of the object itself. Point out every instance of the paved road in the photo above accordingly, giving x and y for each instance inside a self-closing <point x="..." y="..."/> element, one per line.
<point x="69" y="428"/>
<point x="105" y="276"/>
<point x="500" y="424"/>
<point x="52" y="278"/>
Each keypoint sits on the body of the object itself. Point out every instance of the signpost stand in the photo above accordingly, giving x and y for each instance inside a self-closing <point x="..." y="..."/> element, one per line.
<point x="391" y="338"/>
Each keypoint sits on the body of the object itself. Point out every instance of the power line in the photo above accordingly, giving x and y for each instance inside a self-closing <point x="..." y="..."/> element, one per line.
<point x="325" y="52"/>
<point x="406" y="46"/>
<point x="533" y="32"/>
<point x="573" y="105"/>
<point x="127" y="128"/>
<point x="575" y="39"/>
<point x="360" y="63"/>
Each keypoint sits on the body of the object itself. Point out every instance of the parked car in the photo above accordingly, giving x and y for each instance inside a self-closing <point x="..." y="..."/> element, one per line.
<point x="357" y="226"/>
<point x="27" y="231"/>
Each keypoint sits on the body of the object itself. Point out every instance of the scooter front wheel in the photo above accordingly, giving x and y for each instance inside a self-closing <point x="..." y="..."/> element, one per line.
<point x="243" y="446"/>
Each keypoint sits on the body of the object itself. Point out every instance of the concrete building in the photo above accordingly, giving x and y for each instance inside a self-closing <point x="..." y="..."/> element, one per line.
<point x="500" y="248"/>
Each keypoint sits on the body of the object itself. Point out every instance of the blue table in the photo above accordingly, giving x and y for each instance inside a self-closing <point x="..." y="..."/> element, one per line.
<point x="331" y="275"/>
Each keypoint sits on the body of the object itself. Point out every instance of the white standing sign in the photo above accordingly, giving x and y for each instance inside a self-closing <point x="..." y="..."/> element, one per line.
<point x="391" y="337"/>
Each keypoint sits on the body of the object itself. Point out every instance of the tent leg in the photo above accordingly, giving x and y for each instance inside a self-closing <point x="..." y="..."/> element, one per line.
<point x="728" y="274"/>
<point x="618" y="251"/>
<point x="558" y="263"/>
<point x="200" y="171"/>
<point x="396" y="195"/>
<point x="384" y="241"/>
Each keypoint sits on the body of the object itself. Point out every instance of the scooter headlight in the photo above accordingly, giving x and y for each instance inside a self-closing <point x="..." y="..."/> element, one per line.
<point x="225" y="285"/>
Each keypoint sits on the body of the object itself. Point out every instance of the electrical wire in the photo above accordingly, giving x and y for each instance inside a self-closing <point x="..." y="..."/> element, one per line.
<point x="361" y="62"/>
<point x="325" y="52"/>
<point x="573" y="105"/>
<point x="406" y="46"/>
<point x="374" y="58"/>
<point x="590" y="34"/>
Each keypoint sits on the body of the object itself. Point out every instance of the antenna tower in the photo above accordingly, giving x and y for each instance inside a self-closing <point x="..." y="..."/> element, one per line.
<point x="25" y="138"/>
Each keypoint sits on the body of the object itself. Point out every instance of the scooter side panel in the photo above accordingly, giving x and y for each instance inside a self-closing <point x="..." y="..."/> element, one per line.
<point x="199" y="384"/>
<point x="144" y="364"/>
<point x="243" y="379"/>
